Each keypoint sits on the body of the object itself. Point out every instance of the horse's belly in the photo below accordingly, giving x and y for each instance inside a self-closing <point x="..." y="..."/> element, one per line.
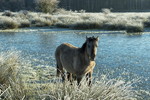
<point x="69" y="68"/>
<point x="67" y="64"/>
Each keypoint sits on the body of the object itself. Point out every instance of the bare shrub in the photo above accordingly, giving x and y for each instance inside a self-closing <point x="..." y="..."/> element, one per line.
<point x="47" y="6"/>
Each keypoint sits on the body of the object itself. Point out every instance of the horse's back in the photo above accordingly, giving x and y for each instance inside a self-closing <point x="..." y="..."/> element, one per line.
<point x="65" y="48"/>
<point x="66" y="55"/>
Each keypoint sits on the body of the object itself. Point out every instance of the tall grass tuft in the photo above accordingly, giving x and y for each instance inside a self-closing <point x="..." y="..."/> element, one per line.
<point x="40" y="22"/>
<point x="102" y="89"/>
<point x="139" y="27"/>
<point x="8" y="23"/>
<point x="147" y="22"/>
<point x="10" y="79"/>
<point x="24" y="23"/>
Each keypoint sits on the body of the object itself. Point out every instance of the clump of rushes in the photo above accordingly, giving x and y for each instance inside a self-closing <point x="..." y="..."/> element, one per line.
<point x="40" y="22"/>
<point x="7" y="13"/>
<point x="8" y="23"/>
<point x="24" y="23"/>
<point x="135" y="28"/>
<point x="147" y="22"/>
<point x="10" y="80"/>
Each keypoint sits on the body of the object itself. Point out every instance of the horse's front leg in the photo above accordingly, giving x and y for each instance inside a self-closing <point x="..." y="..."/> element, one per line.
<point x="89" y="78"/>
<point x="69" y="77"/>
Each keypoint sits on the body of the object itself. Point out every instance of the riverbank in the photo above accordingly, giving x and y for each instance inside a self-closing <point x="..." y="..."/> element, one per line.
<point x="130" y="22"/>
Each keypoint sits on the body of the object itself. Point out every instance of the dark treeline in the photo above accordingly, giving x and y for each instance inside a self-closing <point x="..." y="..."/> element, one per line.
<point x="97" y="5"/>
<point x="15" y="5"/>
<point x="88" y="5"/>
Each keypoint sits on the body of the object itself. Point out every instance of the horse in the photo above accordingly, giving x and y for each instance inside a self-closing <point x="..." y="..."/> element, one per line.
<point x="77" y="61"/>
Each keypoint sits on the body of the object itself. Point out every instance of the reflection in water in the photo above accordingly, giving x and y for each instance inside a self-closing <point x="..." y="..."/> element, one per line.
<point x="119" y="55"/>
<point x="134" y="35"/>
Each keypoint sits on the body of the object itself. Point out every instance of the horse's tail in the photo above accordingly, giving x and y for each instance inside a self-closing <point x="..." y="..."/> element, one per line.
<point x="58" y="63"/>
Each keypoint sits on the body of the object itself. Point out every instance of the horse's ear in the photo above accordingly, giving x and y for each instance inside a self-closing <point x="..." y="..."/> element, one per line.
<point x="97" y="38"/>
<point x="86" y="37"/>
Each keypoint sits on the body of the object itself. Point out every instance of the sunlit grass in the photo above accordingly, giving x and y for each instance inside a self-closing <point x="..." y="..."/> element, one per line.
<point x="102" y="89"/>
<point x="11" y="83"/>
<point x="20" y="80"/>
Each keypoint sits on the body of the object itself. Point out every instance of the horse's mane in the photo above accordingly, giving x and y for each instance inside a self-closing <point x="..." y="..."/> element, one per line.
<point x="82" y="49"/>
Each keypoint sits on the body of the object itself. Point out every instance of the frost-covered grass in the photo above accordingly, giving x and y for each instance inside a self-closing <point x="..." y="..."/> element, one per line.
<point x="20" y="80"/>
<point x="11" y="84"/>
<point x="22" y="19"/>
<point x="112" y="21"/>
<point x="131" y="22"/>
<point x="102" y="89"/>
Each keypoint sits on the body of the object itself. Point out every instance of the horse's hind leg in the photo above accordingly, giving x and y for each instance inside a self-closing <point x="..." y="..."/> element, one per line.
<point x="60" y="70"/>
<point x="70" y="77"/>
<point x="63" y="75"/>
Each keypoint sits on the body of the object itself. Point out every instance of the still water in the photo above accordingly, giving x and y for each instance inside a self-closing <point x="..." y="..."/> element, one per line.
<point x="119" y="55"/>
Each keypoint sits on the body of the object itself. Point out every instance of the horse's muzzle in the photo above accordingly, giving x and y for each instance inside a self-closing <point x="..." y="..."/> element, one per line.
<point x="93" y="57"/>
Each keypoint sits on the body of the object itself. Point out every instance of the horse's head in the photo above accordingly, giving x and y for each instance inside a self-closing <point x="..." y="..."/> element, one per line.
<point x="91" y="47"/>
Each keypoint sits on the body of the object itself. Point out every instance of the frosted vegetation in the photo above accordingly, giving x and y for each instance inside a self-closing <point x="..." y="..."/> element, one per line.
<point x="130" y="22"/>
<point x="20" y="80"/>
